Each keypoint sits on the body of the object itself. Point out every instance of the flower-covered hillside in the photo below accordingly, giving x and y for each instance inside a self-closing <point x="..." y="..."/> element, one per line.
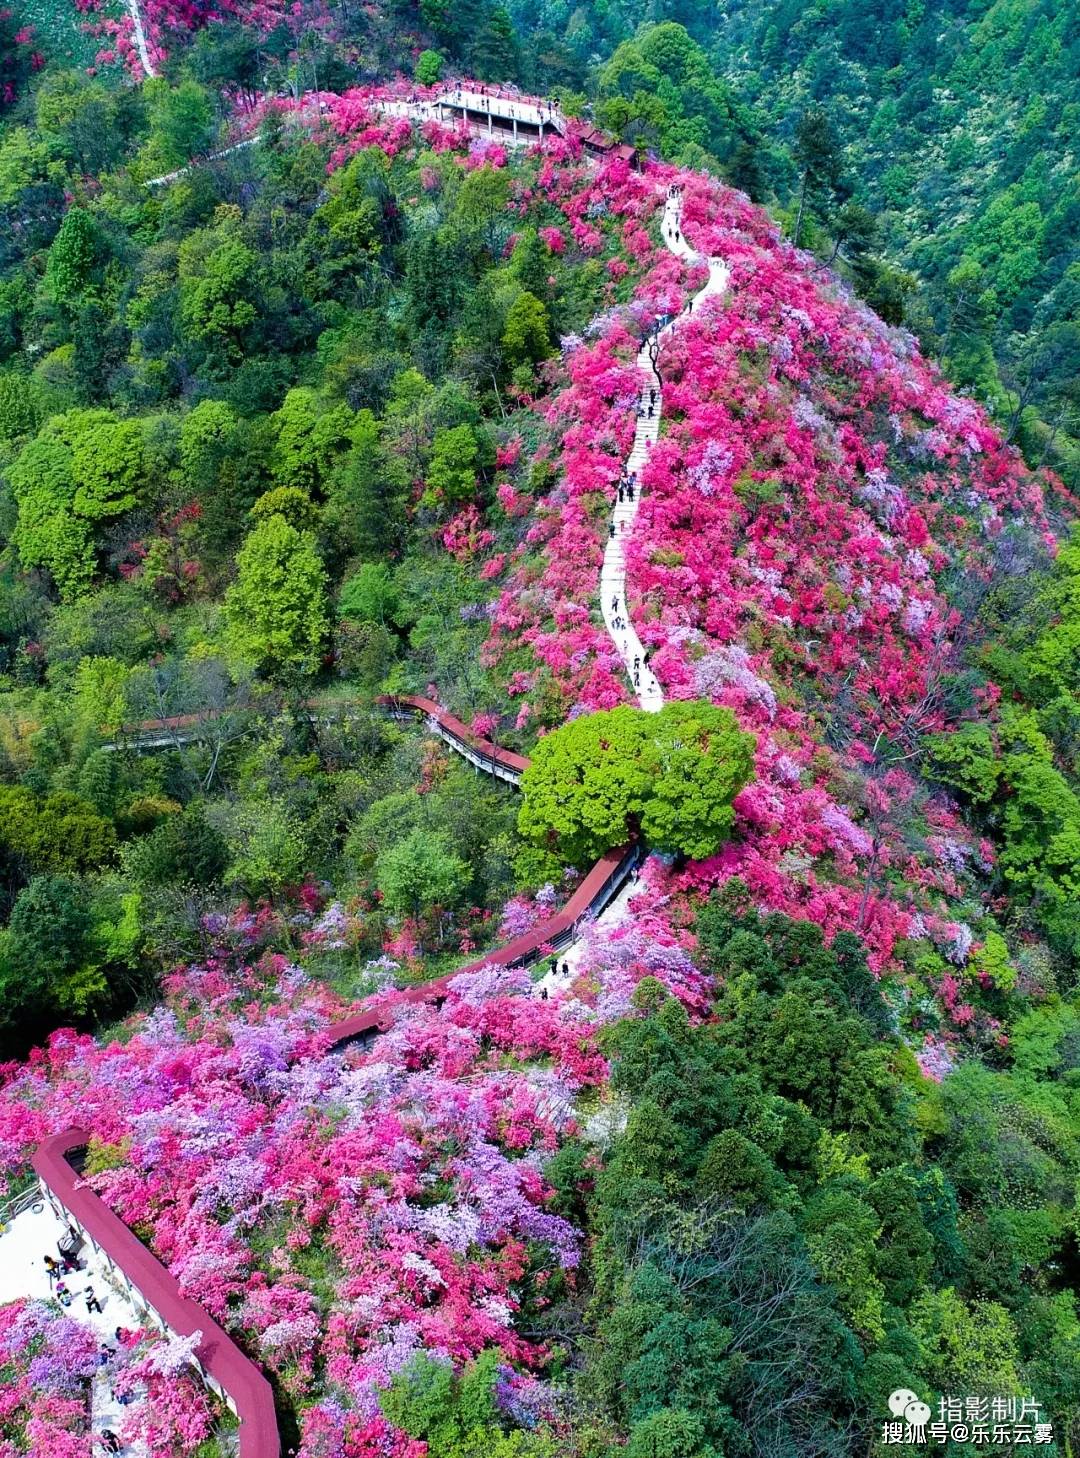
<point x="345" y="1211"/>
<point x="820" y="520"/>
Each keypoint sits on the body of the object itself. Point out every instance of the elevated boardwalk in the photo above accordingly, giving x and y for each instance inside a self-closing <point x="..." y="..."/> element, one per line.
<point x="527" y="119"/>
<point x="599" y="887"/>
<point x="494" y="111"/>
<point x="180" y="729"/>
<point x="156" y="1292"/>
<point x="503" y="764"/>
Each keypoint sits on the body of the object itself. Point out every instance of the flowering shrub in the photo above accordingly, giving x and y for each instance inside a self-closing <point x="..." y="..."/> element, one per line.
<point x="814" y="483"/>
<point x="342" y="1211"/>
<point x="50" y="1362"/>
<point x="47" y="1360"/>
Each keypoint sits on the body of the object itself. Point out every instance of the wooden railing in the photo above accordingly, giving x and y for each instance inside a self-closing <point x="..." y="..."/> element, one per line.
<point x="504" y="764"/>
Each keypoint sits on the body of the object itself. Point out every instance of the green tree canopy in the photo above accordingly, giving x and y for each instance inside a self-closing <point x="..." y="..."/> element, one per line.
<point x="370" y="596"/>
<point x="368" y="493"/>
<point x="308" y="438"/>
<point x="451" y="477"/>
<point x="672" y="774"/>
<point x="421" y="871"/>
<point x="219" y="278"/>
<point x="81" y="469"/>
<point x="527" y="335"/>
<point x="74" y="257"/>
<point x="59" y="831"/>
<point x="276" y="609"/>
<point x="46" y="953"/>
<point x="428" y="68"/>
<point x="184" y="850"/>
<point x="457" y="1415"/>
<point x="181" y="123"/>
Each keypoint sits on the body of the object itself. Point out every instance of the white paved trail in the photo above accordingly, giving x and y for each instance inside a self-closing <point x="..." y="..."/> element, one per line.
<point x="650" y="407"/>
<point x="24" y="1243"/>
<point x="140" y="36"/>
<point x="166" y="177"/>
<point x="613" y="603"/>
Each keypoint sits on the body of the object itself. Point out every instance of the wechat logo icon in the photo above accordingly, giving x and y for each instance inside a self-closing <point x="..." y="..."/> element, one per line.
<point x="908" y="1406"/>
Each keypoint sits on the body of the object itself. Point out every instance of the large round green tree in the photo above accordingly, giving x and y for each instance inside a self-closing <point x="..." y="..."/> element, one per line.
<point x="671" y="775"/>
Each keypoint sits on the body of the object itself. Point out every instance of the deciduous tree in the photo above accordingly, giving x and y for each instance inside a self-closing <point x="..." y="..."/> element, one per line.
<point x="276" y="609"/>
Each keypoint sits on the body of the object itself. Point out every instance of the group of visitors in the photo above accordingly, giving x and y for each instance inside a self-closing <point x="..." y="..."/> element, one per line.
<point x="67" y="1265"/>
<point x="121" y="1337"/>
<point x="553" y="969"/>
<point x="546" y="108"/>
<point x="618" y="623"/>
<point x="675" y="196"/>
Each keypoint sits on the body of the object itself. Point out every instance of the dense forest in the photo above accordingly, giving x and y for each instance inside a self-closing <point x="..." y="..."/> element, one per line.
<point x="211" y="495"/>
<point x="939" y="137"/>
<point x="310" y="398"/>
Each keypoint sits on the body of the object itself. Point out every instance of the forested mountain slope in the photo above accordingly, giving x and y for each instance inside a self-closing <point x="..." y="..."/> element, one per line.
<point x="347" y="412"/>
<point x="953" y="124"/>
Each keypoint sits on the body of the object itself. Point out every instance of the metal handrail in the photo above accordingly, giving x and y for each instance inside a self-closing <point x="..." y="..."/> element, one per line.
<point x="17" y="1204"/>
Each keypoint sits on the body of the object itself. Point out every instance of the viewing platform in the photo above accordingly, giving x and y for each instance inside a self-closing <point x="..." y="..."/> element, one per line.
<point x="527" y="119"/>
<point x="495" y="111"/>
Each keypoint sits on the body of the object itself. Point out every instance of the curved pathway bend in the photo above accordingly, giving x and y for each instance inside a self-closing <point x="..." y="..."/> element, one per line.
<point x="224" y="1367"/>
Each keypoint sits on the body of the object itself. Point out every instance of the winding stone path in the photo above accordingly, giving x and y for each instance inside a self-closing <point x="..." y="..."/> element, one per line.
<point x="613" y="602"/>
<point x="133" y="10"/>
<point x="651" y="396"/>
